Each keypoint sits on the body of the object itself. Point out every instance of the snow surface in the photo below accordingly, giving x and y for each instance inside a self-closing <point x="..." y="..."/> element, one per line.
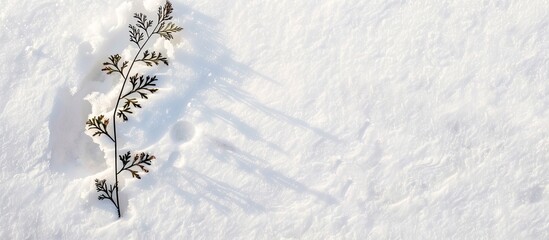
<point x="334" y="119"/>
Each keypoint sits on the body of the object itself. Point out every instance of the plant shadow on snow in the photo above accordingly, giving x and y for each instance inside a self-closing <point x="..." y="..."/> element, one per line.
<point x="215" y="70"/>
<point x="194" y="187"/>
<point x="230" y="154"/>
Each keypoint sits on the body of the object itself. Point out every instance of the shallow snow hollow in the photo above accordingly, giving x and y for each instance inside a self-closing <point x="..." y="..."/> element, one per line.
<point x="282" y="120"/>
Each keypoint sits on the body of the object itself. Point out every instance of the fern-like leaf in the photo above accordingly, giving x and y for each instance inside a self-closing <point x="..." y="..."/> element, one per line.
<point x="142" y="86"/>
<point x="136" y="36"/>
<point x="106" y="191"/>
<point x="165" y="12"/>
<point x="126" y="108"/>
<point x="131" y="102"/>
<point x="143" y="22"/>
<point x="140" y="160"/>
<point x="99" y="125"/>
<point x="166" y="30"/>
<point x="151" y="58"/>
<point x="122" y="113"/>
<point x="125" y="159"/>
<point x="113" y="65"/>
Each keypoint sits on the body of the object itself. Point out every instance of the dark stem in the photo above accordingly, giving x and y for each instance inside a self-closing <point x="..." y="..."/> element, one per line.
<point x="115" y="204"/>
<point x="114" y="116"/>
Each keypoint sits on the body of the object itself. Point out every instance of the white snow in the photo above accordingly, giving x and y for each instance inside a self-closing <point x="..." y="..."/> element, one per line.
<point x="383" y="119"/>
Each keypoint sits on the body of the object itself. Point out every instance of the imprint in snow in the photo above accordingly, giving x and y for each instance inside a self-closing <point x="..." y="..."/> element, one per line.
<point x="182" y="131"/>
<point x="531" y="195"/>
<point x="72" y="151"/>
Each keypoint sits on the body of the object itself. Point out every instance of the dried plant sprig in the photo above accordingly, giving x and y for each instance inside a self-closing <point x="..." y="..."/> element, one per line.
<point x="140" y="160"/>
<point x="112" y="66"/>
<point x="165" y="12"/>
<point x="99" y="125"/>
<point x="136" y="36"/>
<point x="142" y="85"/>
<point x="166" y="30"/>
<point x="140" y="34"/>
<point x="153" y="58"/>
<point x="106" y="193"/>
<point x="142" y="22"/>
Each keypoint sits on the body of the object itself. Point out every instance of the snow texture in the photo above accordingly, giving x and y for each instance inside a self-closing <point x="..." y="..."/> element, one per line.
<point x="335" y="119"/>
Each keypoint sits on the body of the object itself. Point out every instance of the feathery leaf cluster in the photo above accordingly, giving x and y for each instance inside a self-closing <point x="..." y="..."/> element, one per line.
<point x="140" y="160"/>
<point x="99" y="125"/>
